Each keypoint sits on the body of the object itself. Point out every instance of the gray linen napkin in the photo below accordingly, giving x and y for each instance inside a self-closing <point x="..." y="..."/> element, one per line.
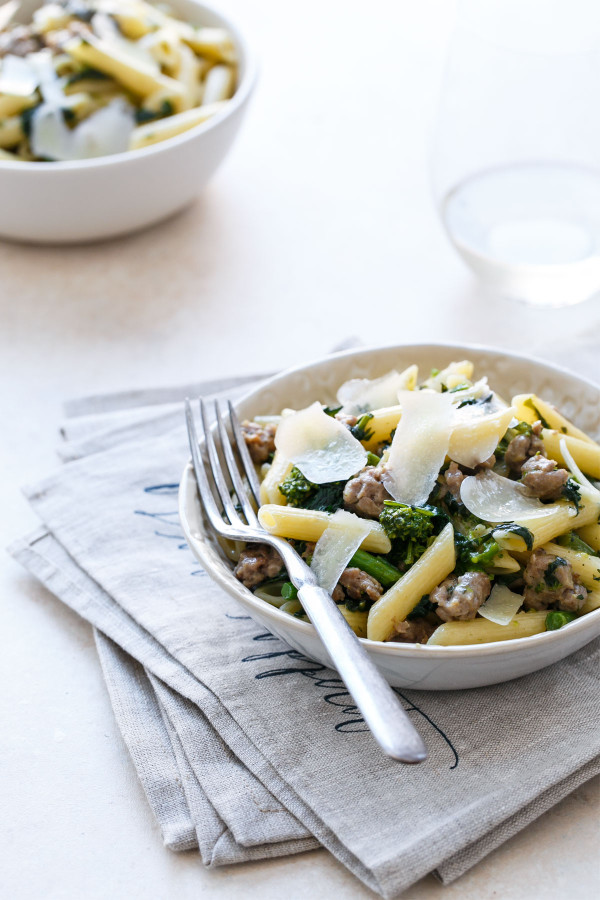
<point x="242" y="745"/>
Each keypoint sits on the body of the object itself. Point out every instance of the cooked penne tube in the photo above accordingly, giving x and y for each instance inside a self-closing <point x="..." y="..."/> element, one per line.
<point x="134" y="74"/>
<point x="10" y="104"/>
<point x="530" y="408"/>
<point x="8" y="156"/>
<point x="592" y="602"/>
<point x="430" y="569"/>
<point x="584" y="565"/>
<point x="279" y="469"/>
<point x="563" y="518"/>
<point x="154" y="132"/>
<point x="591" y="535"/>
<point x="11" y="131"/>
<point x="309" y="525"/>
<point x="215" y="43"/>
<point x="480" y="631"/>
<point x="219" y="84"/>
<point x="382" y="424"/>
<point x="585" y="453"/>
<point x="504" y="563"/>
<point x="356" y="620"/>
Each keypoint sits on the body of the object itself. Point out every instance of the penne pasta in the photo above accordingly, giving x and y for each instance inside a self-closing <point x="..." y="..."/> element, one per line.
<point x="10" y="104"/>
<point x="563" y="518"/>
<point x="530" y="408"/>
<point x="279" y="469"/>
<point x="309" y="525"/>
<point x="381" y="425"/>
<point x="356" y="620"/>
<point x="585" y="453"/>
<point x="134" y="74"/>
<point x="11" y="131"/>
<point x="480" y="631"/>
<point x="154" y="132"/>
<point x="592" y="602"/>
<point x="429" y="570"/>
<point x="591" y="535"/>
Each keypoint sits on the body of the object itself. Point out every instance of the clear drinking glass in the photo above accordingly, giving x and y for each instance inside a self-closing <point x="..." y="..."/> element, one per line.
<point x="516" y="155"/>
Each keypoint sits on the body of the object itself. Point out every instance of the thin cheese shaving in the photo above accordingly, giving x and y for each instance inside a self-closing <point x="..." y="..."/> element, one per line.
<point x="361" y="395"/>
<point x="501" y="606"/>
<point x="493" y="498"/>
<point x="336" y="547"/>
<point x="475" y="435"/>
<point x="320" y="446"/>
<point x="419" y="446"/>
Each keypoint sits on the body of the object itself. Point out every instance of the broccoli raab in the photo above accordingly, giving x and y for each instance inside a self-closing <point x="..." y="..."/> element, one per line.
<point x="473" y="554"/>
<point x="410" y="528"/>
<point x="360" y="431"/>
<point x="299" y="491"/>
<point x="572" y="492"/>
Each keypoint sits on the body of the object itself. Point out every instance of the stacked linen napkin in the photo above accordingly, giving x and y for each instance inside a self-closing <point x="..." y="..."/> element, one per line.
<point x="245" y="748"/>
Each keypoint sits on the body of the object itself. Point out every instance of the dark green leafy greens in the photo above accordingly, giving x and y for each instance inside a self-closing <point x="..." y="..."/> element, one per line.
<point x="519" y="530"/>
<point x="299" y="491"/>
<point x="572" y="492"/>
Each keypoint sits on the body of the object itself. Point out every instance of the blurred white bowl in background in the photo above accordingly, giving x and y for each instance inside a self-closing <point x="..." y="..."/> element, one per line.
<point x="92" y="199"/>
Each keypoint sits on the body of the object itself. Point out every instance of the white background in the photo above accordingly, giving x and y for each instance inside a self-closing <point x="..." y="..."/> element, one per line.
<point x="319" y="226"/>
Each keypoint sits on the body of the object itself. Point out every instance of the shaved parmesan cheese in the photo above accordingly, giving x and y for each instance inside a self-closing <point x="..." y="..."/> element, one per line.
<point x="501" y="606"/>
<point x="336" y="547"/>
<point x="7" y="11"/>
<point x="493" y="498"/>
<point x="475" y="435"/>
<point x="361" y="395"/>
<point x="18" y="77"/>
<point x="319" y="445"/>
<point x="105" y="132"/>
<point x="419" y="446"/>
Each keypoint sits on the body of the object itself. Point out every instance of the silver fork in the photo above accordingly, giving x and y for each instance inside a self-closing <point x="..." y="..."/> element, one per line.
<point x="378" y="704"/>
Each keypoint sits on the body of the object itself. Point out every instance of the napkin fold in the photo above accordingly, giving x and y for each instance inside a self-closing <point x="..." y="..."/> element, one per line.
<point x="245" y="748"/>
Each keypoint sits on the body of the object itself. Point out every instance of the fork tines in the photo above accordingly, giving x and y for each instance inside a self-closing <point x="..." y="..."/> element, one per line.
<point x="233" y="494"/>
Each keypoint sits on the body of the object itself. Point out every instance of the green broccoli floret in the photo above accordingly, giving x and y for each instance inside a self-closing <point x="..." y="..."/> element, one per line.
<point x="296" y="488"/>
<point x="299" y="491"/>
<point x="410" y="529"/>
<point x="474" y="555"/>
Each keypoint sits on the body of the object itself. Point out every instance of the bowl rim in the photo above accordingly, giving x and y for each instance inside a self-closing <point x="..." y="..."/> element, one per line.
<point x="386" y="648"/>
<point x="240" y="97"/>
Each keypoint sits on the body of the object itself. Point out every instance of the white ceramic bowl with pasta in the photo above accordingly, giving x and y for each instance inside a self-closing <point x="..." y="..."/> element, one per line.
<point x="409" y="665"/>
<point x="94" y="199"/>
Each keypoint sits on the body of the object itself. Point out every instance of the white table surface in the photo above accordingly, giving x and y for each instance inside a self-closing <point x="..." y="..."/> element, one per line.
<point x="319" y="226"/>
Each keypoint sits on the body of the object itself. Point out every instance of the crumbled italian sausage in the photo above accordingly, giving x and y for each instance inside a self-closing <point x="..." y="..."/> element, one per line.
<point x="415" y="631"/>
<point x="364" y="494"/>
<point x="460" y="598"/>
<point x="543" y="478"/>
<point x="550" y="582"/>
<point x="260" y="440"/>
<point x="257" y="563"/>
<point x="357" y="585"/>
<point x="522" y="447"/>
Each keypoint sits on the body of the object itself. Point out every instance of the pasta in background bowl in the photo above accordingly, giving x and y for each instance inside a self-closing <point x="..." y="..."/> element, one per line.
<point x="431" y="667"/>
<point x="156" y="165"/>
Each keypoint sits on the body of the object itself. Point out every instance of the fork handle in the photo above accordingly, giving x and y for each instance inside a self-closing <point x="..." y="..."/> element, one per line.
<point x="379" y="706"/>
